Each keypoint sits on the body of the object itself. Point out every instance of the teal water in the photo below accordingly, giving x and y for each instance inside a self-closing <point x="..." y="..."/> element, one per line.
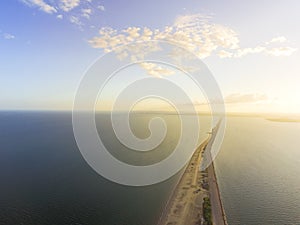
<point x="258" y="171"/>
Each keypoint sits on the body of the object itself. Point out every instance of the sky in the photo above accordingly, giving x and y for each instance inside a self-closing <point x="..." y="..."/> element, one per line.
<point x="251" y="47"/>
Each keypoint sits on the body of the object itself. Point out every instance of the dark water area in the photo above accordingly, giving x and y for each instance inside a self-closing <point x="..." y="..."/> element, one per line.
<point x="45" y="180"/>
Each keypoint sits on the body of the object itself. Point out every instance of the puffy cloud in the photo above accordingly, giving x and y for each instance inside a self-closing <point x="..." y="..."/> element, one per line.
<point x="281" y="51"/>
<point x="245" y="98"/>
<point x="225" y="54"/>
<point x="191" y="21"/>
<point x="68" y="5"/>
<point x="75" y="20"/>
<point x="65" y="9"/>
<point x="8" y="36"/>
<point x="156" y="70"/>
<point x="273" y="51"/>
<point x="101" y="7"/>
<point x="202" y="40"/>
<point x="247" y="51"/>
<point x="192" y="32"/>
<point x="132" y="32"/>
<point x="86" y="13"/>
<point x="41" y="4"/>
<point x="279" y="39"/>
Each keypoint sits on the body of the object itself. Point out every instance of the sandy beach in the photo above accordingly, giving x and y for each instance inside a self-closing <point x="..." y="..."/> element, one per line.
<point x="185" y="205"/>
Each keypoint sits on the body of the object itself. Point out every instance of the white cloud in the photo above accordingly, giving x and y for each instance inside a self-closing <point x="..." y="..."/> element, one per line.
<point x="68" y="5"/>
<point x="41" y="4"/>
<point x="191" y="20"/>
<point x="86" y="13"/>
<point x="245" y="98"/>
<point x="225" y="54"/>
<point x="101" y="7"/>
<point x="74" y="10"/>
<point x="246" y="51"/>
<point x="75" y="20"/>
<point x="279" y="39"/>
<point x="281" y="51"/>
<point x="272" y="51"/>
<point x="8" y="36"/>
<point x="202" y="40"/>
<point x="156" y="70"/>
<point x="192" y="32"/>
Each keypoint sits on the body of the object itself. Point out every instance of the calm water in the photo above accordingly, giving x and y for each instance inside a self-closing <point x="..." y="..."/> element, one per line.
<point x="258" y="171"/>
<point x="44" y="179"/>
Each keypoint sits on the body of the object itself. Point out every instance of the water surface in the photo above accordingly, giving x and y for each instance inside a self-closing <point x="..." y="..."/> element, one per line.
<point x="258" y="171"/>
<point x="45" y="180"/>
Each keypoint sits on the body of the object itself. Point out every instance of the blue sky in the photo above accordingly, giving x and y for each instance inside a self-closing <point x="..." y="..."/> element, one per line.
<point x="45" y="47"/>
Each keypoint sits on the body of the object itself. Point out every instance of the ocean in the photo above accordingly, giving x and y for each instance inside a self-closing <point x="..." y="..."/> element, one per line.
<point x="258" y="171"/>
<point x="45" y="180"/>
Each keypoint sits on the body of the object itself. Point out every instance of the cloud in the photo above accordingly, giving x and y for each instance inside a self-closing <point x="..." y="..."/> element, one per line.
<point x="65" y="5"/>
<point x="101" y="7"/>
<point x="86" y="13"/>
<point x="8" y="36"/>
<point x="247" y="51"/>
<point x="156" y="70"/>
<point x="194" y="32"/>
<point x="279" y="39"/>
<point x="41" y="4"/>
<point x="72" y="10"/>
<point x="75" y="20"/>
<point x="281" y="51"/>
<point x="245" y="98"/>
<point x="68" y="5"/>
<point x="272" y="51"/>
<point x="225" y="54"/>
<point x="202" y="40"/>
<point x="191" y="20"/>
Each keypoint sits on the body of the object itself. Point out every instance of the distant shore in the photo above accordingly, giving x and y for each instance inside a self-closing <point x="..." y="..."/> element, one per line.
<point x="284" y="120"/>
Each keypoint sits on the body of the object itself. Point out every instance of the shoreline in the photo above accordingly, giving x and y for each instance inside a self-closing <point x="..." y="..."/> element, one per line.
<point x="185" y="204"/>
<point x="217" y="208"/>
<point x="218" y="212"/>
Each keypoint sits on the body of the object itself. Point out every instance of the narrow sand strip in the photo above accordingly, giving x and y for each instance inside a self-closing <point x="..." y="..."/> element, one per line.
<point x="218" y="213"/>
<point x="185" y="205"/>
